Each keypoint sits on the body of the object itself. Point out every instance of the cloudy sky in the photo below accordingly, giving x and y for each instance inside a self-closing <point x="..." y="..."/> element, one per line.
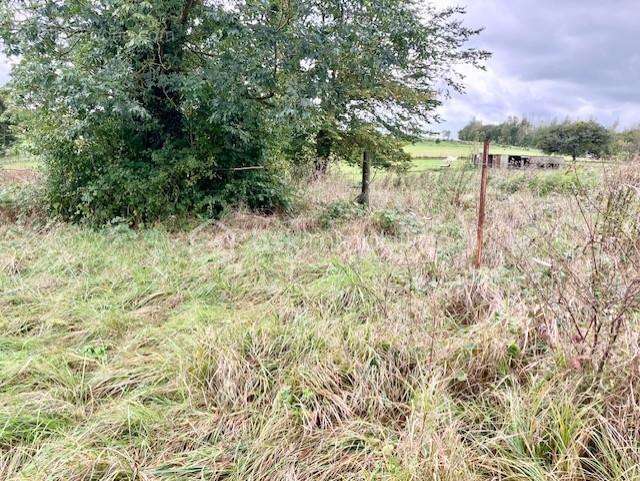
<point x="552" y="59"/>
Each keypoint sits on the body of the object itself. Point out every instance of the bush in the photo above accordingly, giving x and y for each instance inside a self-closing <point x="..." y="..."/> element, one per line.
<point x="339" y="212"/>
<point x="543" y="184"/>
<point x="113" y="178"/>
<point x="562" y="182"/>
<point x="395" y="223"/>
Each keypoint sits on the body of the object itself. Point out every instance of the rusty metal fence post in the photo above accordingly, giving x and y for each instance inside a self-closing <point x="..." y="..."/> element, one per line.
<point x="482" y="204"/>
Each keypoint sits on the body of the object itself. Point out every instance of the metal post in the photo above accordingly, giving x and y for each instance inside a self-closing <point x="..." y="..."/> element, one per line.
<point x="481" y="209"/>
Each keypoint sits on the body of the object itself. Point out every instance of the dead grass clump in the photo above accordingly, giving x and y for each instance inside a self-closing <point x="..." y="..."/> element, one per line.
<point x="433" y="444"/>
<point x="470" y="300"/>
<point x="383" y="380"/>
<point x="484" y="357"/>
<point x="235" y="370"/>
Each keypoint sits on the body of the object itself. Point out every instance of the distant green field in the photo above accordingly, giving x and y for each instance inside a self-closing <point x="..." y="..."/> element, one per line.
<point x="431" y="155"/>
<point x="460" y="149"/>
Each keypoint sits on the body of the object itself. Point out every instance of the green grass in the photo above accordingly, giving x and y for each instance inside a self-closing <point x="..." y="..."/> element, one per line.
<point x="18" y="162"/>
<point x="443" y="149"/>
<point x="336" y="344"/>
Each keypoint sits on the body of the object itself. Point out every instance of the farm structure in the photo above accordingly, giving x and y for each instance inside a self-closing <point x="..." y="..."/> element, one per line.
<point x="508" y="161"/>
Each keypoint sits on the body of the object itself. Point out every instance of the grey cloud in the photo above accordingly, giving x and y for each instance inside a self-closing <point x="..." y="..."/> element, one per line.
<point x="555" y="58"/>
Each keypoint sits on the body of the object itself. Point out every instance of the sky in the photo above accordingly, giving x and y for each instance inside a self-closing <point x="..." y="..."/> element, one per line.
<point x="552" y="59"/>
<point x="4" y="69"/>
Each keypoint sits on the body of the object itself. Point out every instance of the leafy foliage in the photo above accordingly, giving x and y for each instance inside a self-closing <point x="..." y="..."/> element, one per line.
<point x="627" y="143"/>
<point x="569" y="138"/>
<point x="393" y="222"/>
<point x="576" y="139"/>
<point x="7" y="137"/>
<point x="338" y="213"/>
<point x="145" y="109"/>
<point x="563" y="182"/>
<point x="513" y="131"/>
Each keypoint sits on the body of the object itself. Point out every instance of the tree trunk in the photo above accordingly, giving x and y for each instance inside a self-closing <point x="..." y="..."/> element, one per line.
<point x="363" y="198"/>
<point x="323" y="152"/>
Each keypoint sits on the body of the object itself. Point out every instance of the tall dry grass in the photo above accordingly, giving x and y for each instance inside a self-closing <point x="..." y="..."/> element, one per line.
<point x="334" y="344"/>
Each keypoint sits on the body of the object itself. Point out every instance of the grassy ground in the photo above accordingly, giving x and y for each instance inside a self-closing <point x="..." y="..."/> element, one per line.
<point x="18" y="162"/>
<point x="334" y="344"/>
<point x="433" y="149"/>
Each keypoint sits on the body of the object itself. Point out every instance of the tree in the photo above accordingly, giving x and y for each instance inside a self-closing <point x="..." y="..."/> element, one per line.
<point x="576" y="139"/>
<point x="144" y="109"/>
<point x="471" y="132"/>
<point x="378" y="64"/>
<point x="7" y="137"/>
<point x="627" y="143"/>
<point x="476" y="131"/>
<point x="514" y="131"/>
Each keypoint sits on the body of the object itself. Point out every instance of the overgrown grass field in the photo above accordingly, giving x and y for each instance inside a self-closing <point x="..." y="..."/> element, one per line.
<point x="334" y="343"/>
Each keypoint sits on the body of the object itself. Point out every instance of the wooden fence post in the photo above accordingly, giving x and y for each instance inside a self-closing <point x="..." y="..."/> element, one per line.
<point x="481" y="209"/>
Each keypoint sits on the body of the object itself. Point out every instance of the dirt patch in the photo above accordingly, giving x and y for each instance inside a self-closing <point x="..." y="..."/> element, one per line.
<point x="17" y="175"/>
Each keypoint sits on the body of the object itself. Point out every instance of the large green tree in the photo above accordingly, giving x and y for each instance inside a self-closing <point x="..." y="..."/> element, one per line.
<point x="576" y="139"/>
<point x="144" y="108"/>
<point x="382" y="66"/>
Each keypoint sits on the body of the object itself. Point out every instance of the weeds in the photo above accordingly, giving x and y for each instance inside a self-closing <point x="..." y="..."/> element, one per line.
<point x="591" y="289"/>
<point x="544" y="183"/>
<point x="333" y="344"/>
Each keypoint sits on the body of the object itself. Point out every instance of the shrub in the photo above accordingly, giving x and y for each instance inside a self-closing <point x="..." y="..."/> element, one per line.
<point x="111" y="178"/>
<point x="591" y="290"/>
<point x="339" y="212"/>
<point x="565" y="182"/>
<point x="393" y="222"/>
<point x="548" y="183"/>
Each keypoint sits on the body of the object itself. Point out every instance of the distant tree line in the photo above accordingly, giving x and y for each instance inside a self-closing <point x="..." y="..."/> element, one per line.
<point x="574" y="138"/>
<point x="513" y="131"/>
